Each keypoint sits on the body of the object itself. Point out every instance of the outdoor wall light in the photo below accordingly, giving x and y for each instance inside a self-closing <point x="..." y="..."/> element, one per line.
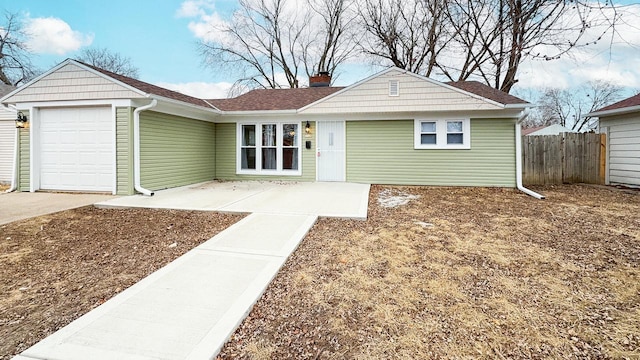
<point x="21" y="121"/>
<point x="307" y="128"/>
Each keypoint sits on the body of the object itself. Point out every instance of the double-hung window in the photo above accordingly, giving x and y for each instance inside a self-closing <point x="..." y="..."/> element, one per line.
<point x="269" y="148"/>
<point x="442" y="134"/>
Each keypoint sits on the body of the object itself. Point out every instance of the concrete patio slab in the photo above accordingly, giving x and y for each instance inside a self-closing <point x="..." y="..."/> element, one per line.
<point x="189" y="308"/>
<point x="23" y="205"/>
<point x="324" y="199"/>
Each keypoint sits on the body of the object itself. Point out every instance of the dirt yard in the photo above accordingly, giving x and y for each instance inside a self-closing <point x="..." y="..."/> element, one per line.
<point x="57" y="267"/>
<point x="459" y="273"/>
<point x="451" y="273"/>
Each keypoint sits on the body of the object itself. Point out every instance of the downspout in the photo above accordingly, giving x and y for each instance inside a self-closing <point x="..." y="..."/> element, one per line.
<point x="519" y="159"/>
<point x="14" y="170"/>
<point x="136" y="148"/>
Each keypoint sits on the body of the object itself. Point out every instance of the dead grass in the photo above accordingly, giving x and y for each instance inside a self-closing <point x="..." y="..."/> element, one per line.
<point x="460" y="273"/>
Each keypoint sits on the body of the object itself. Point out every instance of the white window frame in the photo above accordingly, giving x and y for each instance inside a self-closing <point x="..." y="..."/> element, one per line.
<point x="441" y="134"/>
<point x="258" y="146"/>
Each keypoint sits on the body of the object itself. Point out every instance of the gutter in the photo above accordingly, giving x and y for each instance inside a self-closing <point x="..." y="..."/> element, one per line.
<point x="519" y="159"/>
<point x="14" y="167"/>
<point x="618" y="111"/>
<point x="136" y="148"/>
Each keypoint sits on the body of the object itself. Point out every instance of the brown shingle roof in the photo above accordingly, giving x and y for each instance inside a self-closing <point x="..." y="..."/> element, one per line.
<point x="274" y="99"/>
<point x="628" y="102"/>
<point x="150" y="88"/>
<point x="480" y="89"/>
<point x="533" y="129"/>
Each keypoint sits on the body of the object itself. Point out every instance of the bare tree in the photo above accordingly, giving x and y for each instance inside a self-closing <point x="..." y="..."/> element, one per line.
<point x="496" y="36"/>
<point x="480" y="39"/>
<point x="568" y="107"/>
<point x="408" y="34"/>
<point x="111" y="61"/>
<point x="270" y="43"/>
<point x="15" y="63"/>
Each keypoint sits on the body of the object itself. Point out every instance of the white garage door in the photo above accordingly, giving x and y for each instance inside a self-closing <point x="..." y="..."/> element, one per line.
<point x="7" y="140"/>
<point x="77" y="151"/>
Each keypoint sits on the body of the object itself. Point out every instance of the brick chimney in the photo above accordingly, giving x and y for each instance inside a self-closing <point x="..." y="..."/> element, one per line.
<point x="322" y="79"/>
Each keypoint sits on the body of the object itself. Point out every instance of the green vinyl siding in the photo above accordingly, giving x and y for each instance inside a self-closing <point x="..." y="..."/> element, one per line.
<point x="226" y="157"/>
<point x="175" y="151"/>
<point x="124" y="150"/>
<point x="23" y="160"/>
<point x="381" y="152"/>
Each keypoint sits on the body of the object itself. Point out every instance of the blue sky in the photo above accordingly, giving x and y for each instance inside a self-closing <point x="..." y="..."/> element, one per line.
<point x="160" y="37"/>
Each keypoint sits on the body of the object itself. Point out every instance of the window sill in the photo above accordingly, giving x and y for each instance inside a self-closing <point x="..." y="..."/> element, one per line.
<point x="442" y="147"/>
<point x="269" y="172"/>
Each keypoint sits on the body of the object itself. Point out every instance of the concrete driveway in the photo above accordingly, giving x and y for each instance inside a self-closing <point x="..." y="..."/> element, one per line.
<point x="23" y="205"/>
<point x="324" y="199"/>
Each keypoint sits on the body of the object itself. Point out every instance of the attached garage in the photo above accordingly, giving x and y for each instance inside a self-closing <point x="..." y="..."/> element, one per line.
<point x="77" y="149"/>
<point x="621" y="123"/>
<point x="91" y="130"/>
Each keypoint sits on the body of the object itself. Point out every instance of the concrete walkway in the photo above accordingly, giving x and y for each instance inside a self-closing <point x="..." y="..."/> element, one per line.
<point x="16" y="206"/>
<point x="189" y="308"/>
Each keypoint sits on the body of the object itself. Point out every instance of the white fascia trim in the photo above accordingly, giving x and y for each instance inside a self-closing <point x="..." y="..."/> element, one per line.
<point x="62" y="103"/>
<point x="185" y="104"/>
<point x="260" y="112"/>
<point x="619" y="111"/>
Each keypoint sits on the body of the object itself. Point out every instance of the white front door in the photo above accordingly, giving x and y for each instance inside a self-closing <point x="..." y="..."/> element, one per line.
<point x="77" y="149"/>
<point x="331" y="150"/>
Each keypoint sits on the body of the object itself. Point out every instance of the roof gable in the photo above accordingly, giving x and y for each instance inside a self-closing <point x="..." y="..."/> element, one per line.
<point x="415" y="93"/>
<point x="69" y="81"/>
<point x="75" y="80"/>
<point x="274" y="99"/>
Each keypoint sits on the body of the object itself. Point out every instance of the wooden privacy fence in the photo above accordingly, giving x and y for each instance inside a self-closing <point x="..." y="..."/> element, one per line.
<point x="564" y="158"/>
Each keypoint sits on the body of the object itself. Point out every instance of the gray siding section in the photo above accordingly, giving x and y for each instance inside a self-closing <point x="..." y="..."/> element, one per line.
<point x="624" y="148"/>
<point x="382" y="152"/>
<point x="226" y="157"/>
<point x="175" y="151"/>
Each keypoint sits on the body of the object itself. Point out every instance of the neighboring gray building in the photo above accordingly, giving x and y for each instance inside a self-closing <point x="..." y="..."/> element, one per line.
<point x="621" y="123"/>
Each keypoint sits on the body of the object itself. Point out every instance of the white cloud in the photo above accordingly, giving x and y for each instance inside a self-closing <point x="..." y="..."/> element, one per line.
<point x="195" y="8"/>
<point x="201" y="90"/>
<point x="612" y="58"/>
<point x="51" y="35"/>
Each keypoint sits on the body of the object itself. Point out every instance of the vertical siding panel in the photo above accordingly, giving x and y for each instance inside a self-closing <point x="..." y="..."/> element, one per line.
<point x="226" y="156"/>
<point x="124" y="150"/>
<point x="175" y="151"/>
<point x="23" y="159"/>
<point x="382" y="152"/>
